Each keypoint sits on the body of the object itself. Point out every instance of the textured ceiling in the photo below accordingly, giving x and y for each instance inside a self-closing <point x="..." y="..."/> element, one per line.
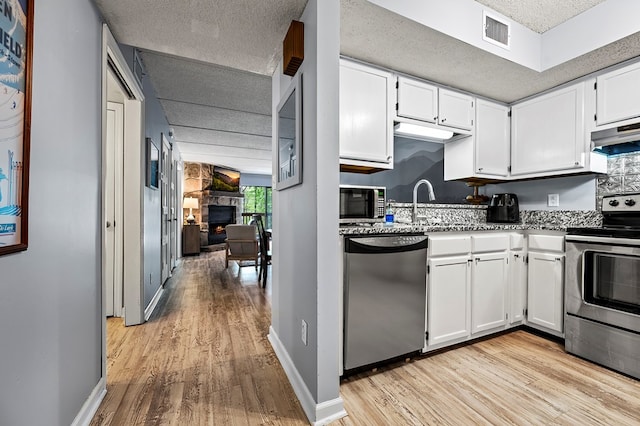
<point x="219" y="115"/>
<point x="210" y="61"/>
<point x="540" y="15"/>
<point x="375" y="35"/>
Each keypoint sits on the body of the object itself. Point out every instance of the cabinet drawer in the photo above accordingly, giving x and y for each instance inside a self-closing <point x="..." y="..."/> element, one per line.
<point x="489" y="242"/>
<point x="517" y="241"/>
<point x="448" y="245"/>
<point x="546" y="242"/>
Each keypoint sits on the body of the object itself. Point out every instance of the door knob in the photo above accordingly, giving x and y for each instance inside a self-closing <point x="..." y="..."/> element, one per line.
<point x="108" y="224"/>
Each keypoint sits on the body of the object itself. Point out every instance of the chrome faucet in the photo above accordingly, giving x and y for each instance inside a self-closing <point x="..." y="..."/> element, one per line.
<point x="432" y="196"/>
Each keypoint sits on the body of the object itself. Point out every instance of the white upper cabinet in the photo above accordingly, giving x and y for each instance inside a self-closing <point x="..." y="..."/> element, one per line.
<point x="366" y="125"/>
<point x="417" y="100"/>
<point x="548" y="133"/>
<point x="618" y="95"/>
<point x="455" y="109"/>
<point x="486" y="153"/>
<point x="492" y="139"/>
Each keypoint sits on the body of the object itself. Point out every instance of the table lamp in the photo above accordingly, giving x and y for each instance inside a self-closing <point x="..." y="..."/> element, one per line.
<point x="190" y="203"/>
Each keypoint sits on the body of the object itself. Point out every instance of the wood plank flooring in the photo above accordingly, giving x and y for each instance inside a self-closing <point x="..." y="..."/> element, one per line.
<point x="203" y="359"/>
<point x="513" y="379"/>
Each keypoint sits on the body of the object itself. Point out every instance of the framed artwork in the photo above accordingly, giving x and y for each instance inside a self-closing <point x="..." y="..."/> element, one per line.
<point x="289" y="131"/>
<point x="16" y="26"/>
<point x="153" y="164"/>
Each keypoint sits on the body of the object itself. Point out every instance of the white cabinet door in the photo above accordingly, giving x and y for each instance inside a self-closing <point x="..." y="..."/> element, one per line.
<point x="417" y="100"/>
<point x="517" y="286"/>
<point x="618" y="95"/>
<point x="455" y="109"/>
<point x="366" y="126"/>
<point x="492" y="139"/>
<point x="448" y="299"/>
<point x="545" y="301"/>
<point x="488" y="291"/>
<point x="548" y="133"/>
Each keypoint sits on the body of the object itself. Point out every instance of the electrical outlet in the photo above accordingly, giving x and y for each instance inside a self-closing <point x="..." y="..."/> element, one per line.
<point x="553" y="200"/>
<point x="303" y="330"/>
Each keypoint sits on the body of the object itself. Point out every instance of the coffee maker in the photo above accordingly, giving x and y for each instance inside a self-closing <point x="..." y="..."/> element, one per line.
<point x="503" y="208"/>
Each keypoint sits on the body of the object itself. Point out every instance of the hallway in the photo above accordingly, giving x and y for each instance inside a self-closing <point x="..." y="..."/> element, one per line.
<point x="202" y="358"/>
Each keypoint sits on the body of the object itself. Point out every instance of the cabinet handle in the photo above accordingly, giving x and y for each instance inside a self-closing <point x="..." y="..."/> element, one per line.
<point x="444" y="119"/>
<point x="389" y="158"/>
<point x="108" y="224"/>
<point x="577" y="163"/>
<point x="480" y="169"/>
<point x="435" y="118"/>
<point x="558" y="259"/>
<point x="469" y="260"/>
<point x="516" y="256"/>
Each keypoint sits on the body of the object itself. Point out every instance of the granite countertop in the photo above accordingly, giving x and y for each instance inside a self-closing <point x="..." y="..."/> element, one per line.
<point x="453" y="218"/>
<point x="401" y="228"/>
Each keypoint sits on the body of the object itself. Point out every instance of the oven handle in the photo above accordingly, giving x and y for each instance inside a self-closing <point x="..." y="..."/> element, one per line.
<point x="603" y="240"/>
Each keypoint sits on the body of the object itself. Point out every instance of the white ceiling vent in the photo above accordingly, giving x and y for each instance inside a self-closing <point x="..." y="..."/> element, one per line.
<point x="496" y="31"/>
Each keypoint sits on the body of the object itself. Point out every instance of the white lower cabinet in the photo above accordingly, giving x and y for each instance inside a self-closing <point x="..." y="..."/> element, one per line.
<point x="517" y="286"/>
<point x="545" y="298"/>
<point x="488" y="291"/>
<point x="448" y="299"/>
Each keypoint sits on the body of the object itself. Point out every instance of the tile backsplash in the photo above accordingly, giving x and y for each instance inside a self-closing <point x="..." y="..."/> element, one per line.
<point x="623" y="176"/>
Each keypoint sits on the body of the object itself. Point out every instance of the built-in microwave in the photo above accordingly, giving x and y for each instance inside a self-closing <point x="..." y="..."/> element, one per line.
<point x="362" y="203"/>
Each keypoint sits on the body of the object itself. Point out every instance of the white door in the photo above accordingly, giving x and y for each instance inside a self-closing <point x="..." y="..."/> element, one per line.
<point x="174" y="214"/>
<point x="113" y="209"/>
<point x="366" y="97"/>
<point x="165" y="184"/>
<point x="493" y="142"/>
<point x="545" y="301"/>
<point x="455" y="109"/>
<point x="488" y="291"/>
<point x="618" y="95"/>
<point x="547" y="132"/>
<point x="448" y="299"/>
<point x="417" y="100"/>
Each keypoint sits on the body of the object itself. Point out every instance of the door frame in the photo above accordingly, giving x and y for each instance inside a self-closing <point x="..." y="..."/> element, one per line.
<point x="165" y="205"/>
<point x="133" y="187"/>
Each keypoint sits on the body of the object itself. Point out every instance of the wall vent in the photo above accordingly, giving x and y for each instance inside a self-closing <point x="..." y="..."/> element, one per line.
<point x="496" y="31"/>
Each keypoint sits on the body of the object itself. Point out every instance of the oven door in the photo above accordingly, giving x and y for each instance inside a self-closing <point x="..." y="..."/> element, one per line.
<point x="602" y="280"/>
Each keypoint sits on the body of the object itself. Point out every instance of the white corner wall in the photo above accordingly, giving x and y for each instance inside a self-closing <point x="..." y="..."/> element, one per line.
<point x="306" y="283"/>
<point x="50" y="295"/>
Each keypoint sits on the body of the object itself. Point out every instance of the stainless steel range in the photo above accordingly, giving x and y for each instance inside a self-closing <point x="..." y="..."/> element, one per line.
<point x="602" y="287"/>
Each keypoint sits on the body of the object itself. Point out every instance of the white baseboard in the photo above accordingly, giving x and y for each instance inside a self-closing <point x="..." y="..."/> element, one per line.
<point x="154" y="302"/>
<point x="90" y="406"/>
<point x="318" y="414"/>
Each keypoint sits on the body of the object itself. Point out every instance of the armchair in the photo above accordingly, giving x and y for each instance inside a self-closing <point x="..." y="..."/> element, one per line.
<point x="241" y="244"/>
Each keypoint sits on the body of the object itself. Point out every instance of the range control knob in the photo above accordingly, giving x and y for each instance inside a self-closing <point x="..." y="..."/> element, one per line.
<point x="630" y="202"/>
<point x="614" y="202"/>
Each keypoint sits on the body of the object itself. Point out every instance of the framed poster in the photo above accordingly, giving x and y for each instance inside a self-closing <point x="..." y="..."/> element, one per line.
<point x="16" y="33"/>
<point x="153" y="164"/>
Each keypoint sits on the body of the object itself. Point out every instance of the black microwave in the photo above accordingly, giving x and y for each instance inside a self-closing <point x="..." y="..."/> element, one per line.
<point x="362" y="203"/>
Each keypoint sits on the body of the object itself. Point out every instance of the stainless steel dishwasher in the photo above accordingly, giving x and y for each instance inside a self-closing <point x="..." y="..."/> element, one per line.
<point x="385" y="281"/>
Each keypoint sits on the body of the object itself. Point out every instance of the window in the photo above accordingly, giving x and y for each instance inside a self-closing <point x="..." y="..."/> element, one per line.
<point x="257" y="199"/>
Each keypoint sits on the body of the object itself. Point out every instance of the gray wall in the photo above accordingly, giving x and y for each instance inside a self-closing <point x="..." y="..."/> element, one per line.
<point x="305" y="261"/>
<point x="252" y="179"/>
<point x="155" y="123"/>
<point x="576" y="192"/>
<point x="50" y="308"/>
<point x="414" y="160"/>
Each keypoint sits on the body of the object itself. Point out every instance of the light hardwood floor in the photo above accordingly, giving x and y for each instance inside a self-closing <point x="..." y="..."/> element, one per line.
<point x="203" y="358"/>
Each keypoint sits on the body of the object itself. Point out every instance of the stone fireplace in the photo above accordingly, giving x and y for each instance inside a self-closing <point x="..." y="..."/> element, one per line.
<point x="219" y="217"/>
<point x="218" y="211"/>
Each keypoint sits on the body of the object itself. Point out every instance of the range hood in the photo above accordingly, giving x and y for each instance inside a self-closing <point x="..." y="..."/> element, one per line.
<point x="617" y="140"/>
<point x="421" y="130"/>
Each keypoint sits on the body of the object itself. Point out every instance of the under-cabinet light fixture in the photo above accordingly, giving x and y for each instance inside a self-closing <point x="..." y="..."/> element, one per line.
<point x="421" y="132"/>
